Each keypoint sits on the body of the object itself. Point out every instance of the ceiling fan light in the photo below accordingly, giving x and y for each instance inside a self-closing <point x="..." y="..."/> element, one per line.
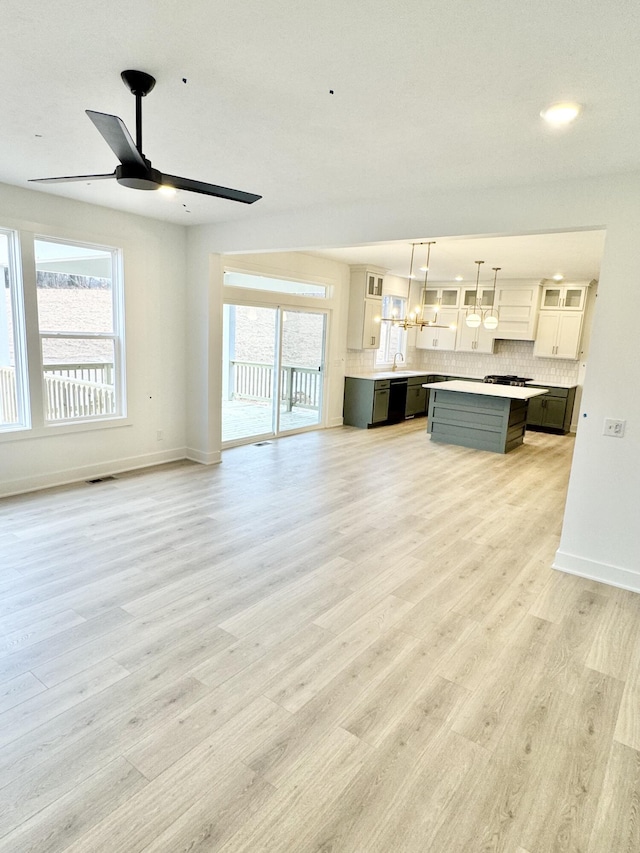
<point x="561" y="114"/>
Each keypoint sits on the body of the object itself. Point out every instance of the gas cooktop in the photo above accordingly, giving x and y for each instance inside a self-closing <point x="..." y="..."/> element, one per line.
<point x="497" y="379"/>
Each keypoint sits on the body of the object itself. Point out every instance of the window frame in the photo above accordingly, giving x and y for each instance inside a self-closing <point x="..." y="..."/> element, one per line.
<point x="384" y="357"/>
<point x="20" y="355"/>
<point x="116" y="335"/>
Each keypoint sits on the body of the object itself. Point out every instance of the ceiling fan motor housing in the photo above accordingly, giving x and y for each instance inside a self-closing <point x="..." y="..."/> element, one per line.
<point x="138" y="178"/>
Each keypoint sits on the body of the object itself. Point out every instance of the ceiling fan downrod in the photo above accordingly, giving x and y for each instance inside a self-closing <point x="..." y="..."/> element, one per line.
<point x="139" y="84"/>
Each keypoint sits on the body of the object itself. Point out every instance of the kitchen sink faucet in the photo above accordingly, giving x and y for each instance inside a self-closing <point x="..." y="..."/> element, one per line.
<point x="395" y="366"/>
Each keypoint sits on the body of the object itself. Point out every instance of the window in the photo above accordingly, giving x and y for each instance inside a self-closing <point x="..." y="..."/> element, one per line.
<point x="393" y="339"/>
<point x="13" y="384"/>
<point x="80" y="321"/>
<point x="275" y="285"/>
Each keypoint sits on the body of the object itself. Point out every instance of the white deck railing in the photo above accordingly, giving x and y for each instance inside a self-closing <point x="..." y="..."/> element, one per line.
<point x="71" y="391"/>
<point x="87" y="390"/>
<point x="8" y="397"/>
<point x="68" y="398"/>
<point x="299" y="386"/>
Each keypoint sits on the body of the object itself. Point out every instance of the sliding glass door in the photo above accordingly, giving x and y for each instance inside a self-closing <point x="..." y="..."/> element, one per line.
<point x="301" y="369"/>
<point x="273" y="370"/>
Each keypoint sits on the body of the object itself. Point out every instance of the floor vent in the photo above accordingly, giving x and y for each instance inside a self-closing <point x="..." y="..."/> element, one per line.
<point x="101" y="479"/>
<point x="262" y="444"/>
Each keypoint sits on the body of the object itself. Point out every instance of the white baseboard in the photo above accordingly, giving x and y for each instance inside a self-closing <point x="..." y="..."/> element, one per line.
<point x="204" y="458"/>
<point x="601" y="572"/>
<point x="335" y="422"/>
<point x="67" y="476"/>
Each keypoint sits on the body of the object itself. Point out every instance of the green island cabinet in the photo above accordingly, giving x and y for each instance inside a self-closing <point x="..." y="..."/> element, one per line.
<point x="491" y="418"/>
<point x="551" y="411"/>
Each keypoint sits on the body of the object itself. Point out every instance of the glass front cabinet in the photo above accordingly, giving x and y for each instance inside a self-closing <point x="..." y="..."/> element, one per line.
<point x="563" y="297"/>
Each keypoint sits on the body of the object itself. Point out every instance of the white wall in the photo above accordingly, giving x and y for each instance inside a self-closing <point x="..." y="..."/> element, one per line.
<point x="599" y="537"/>
<point x="154" y="267"/>
<point x="204" y="312"/>
<point x="303" y="267"/>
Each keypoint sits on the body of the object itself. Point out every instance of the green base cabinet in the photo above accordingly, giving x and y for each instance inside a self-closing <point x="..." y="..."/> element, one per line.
<point x="366" y="402"/>
<point x="417" y="397"/>
<point x="551" y="411"/>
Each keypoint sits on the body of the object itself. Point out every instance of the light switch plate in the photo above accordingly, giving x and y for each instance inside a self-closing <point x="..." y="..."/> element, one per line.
<point x="614" y="428"/>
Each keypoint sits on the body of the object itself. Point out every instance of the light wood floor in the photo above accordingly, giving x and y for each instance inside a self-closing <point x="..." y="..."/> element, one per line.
<point x="340" y="641"/>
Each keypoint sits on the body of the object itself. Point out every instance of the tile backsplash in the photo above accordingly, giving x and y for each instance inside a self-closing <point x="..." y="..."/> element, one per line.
<point x="508" y="357"/>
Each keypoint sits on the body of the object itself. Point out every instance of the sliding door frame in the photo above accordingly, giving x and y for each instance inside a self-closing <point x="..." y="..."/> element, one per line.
<point x="262" y="299"/>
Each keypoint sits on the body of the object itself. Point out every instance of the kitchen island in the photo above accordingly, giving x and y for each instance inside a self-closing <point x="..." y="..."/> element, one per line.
<point x="479" y="415"/>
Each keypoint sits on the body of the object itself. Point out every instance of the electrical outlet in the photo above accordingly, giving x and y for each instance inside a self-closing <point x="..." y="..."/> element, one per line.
<point x="614" y="428"/>
<point x="159" y="435"/>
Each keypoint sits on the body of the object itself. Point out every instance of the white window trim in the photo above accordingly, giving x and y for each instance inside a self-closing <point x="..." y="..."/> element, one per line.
<point x="116" y="335"/>
<point x="28" y="334"/>
<point x="19" y="334"/>
<point x="382" y="361"/>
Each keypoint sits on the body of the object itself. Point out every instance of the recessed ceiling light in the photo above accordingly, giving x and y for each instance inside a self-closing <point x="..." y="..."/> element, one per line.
<point x="559" y="114"/>
<point x="459" y="278"/>
<point x="558" y="277"/>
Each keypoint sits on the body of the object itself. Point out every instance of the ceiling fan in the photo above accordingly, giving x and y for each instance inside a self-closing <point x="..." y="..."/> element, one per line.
<point x="135" y="171"/>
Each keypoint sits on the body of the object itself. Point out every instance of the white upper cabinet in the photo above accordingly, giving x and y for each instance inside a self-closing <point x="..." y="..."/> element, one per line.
<point x="437" y="298"/>
<point x="375" y="283"/>
<point x="442" y="337"/>
<point x="365" y="307"/>
<point x="561" y="320"/>
<point x="517" y="305"/>
<point x="469" y="297"/>
<point x="473" y="340"/>
<point x="563" y="297"/>
<point x="559" y="334"/>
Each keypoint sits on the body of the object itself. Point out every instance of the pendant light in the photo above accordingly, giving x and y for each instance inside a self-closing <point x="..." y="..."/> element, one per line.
<point x="423" y="297"/>
<point x="474" y="319"/>
<point x="490" y="320"/>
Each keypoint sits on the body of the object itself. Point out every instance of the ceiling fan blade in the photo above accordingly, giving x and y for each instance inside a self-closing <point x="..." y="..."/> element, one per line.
<point x="118" y="138"/>
<point x="72" y="178"/>
<point x="209" y="189"/>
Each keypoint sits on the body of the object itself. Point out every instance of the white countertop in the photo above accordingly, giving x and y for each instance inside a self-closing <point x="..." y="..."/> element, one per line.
<point x="390" y="374"/>
<point x="486" y="389"/>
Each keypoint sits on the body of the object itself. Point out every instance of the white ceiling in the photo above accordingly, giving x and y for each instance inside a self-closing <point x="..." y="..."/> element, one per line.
<point x="430" y="95"/>
<point x="575" y="256"/>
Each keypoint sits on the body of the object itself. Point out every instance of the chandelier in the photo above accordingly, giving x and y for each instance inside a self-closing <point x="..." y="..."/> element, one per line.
<point x="416" y="317"/>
